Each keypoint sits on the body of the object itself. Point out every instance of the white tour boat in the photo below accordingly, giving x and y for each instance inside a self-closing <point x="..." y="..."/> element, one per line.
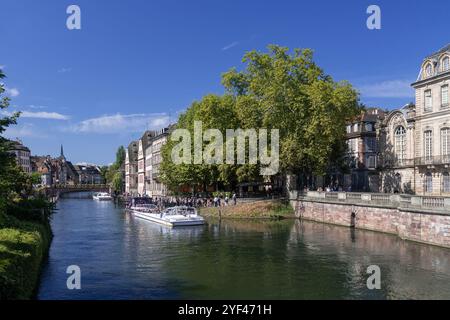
<point x="172" y="217"/>
<point x="101" y="196"/>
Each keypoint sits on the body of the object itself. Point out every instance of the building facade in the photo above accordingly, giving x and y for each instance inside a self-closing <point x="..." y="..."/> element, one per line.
<point x="362" y="152"/>
<point x="131" y="168"/>
<point x="416" y="150"/>
<point x="22" y="155"/>
<point x="154" y="186"/>
<point x="144" y="142"/>
<point x="88" y="174"/>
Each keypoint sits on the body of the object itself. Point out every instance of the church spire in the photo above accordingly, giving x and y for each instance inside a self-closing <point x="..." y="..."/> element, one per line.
<point x="62" y="151"/>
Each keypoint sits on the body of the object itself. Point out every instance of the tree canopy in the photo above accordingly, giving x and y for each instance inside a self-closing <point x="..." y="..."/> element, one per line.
<point x="280" y="90"/>
<point x="13" y="181"/>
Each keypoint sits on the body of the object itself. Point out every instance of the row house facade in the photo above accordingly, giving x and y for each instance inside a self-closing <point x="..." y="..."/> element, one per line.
<point x="142" y="162"/>
<point x="88" y="174"/>
<point x="153" y="160"/>
<point x="131" y="168"/>
<point x="144" y="142"/>
<point x="55" y="171"/>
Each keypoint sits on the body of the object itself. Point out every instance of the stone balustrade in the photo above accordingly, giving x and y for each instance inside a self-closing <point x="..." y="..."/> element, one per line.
<point x="427" y="203"/>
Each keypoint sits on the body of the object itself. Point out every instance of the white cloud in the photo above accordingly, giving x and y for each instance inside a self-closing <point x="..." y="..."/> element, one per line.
<point x="23" y="131"/>
<point x="110" y="124"/>
<point x="44" y="115"/>
<point x="388" y="89"/>
<point x="39" y="115"/>
<point x="32" y="106"/>
<point x="231" y="45"/>
<point x="64" y="70"/>
<point x="12" y="92"/>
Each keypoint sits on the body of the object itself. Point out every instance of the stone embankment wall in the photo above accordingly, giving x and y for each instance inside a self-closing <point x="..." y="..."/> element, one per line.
<point x="416" y="224"/>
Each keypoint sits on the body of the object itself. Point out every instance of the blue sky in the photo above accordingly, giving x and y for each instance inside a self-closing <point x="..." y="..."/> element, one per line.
<point x="136" y="64"/>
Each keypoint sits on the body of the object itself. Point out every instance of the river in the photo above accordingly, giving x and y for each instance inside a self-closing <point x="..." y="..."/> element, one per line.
<point x="123" y="257"/>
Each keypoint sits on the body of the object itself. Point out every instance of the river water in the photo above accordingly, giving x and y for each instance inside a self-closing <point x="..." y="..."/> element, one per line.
<point x="123" y="257"/>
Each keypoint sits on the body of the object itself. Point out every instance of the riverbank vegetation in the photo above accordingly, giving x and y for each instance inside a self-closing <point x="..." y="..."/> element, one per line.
<point x="25" y="233"/>
<point x="276" y="90"/>
<point x="114" y="175"/>
<point x="261" y="209"/>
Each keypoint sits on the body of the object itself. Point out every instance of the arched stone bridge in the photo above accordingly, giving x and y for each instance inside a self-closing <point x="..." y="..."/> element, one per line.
<point x="56" y="191"/>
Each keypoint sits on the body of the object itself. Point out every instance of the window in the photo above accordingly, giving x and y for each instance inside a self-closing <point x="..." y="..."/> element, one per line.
<point x="444" y="96"/>
<point x="371" y="162"/>
<point x="428" y="182"/>
<point x="400" y="143"/>
<point x="428" y="70"/>
<point x="445" y="142"/>
<point x="371" y="144"/>
<point x="428" y="101"/>
<point x="428" y="144"/>
<point x="349" y="129"/>
<point x="446" y="64"/>
<point x="369" y="127"/>
<point x="445" y="182"/>
<point x="352" y="146"/>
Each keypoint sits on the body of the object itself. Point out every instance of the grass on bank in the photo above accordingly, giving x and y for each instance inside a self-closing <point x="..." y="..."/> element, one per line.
<point x="263" y="209"/>
<point x="23" y="247"/>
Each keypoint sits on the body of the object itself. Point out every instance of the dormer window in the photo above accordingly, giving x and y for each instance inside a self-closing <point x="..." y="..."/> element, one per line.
<point x="446" y="64"/>
<point x="428" y="70"/>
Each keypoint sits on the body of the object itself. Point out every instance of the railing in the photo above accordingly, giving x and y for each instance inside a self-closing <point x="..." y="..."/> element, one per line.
<point x="398" y="163"/>
<point x="79" y="186"/>
<point x="440" y="204"/>
<point x="433" y="202"/>
<point x="436" y="160"/>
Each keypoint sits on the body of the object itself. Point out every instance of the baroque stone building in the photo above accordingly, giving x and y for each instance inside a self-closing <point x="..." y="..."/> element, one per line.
<point x="416" y="138"/>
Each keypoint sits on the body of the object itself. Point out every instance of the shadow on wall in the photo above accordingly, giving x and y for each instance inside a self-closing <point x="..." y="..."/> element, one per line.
<point x="392" y="183"/>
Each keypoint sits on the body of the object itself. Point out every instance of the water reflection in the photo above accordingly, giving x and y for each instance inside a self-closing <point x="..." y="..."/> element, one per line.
<point x="123" y="257"/>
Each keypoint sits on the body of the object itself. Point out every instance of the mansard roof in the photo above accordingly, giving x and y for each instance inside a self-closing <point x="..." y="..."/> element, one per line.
<point x="437" y="54"/>
<point x="435" y="59"/>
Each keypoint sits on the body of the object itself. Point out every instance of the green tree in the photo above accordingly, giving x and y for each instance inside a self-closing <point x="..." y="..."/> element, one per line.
<point x="291" y="93"/>
<point x="117" y="182"/>
<point x="120" y="157"/>
<point x="276" y="90"/>
<point x="214" y="112"/>
<point x="13" y="181"/>
<point x="114" y="174"/>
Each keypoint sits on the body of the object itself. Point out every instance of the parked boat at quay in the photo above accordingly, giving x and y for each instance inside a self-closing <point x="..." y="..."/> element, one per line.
<point x="102" y="196"/>
<point x="172" y="217"/>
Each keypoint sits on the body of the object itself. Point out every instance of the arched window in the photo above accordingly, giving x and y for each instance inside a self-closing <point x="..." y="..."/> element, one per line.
<point x="428" y="182"/>
<point x="400" y="144"/>
<point x="445" y="182"/>
<point x="446" y="64"/>
<point x="428" y="70"/>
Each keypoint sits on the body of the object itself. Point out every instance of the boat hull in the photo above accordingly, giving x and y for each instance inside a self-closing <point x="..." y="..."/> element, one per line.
<point x="103" y="198"/>
<point x="169" y="222"/>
